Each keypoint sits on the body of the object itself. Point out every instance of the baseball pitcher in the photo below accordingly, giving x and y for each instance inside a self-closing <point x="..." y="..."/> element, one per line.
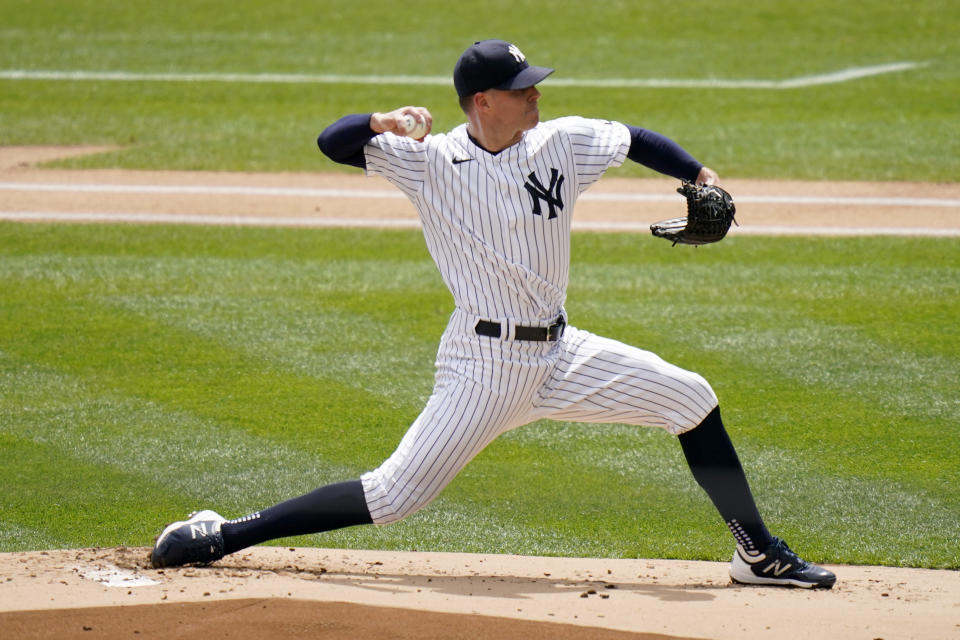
<point x="496" y="197"/>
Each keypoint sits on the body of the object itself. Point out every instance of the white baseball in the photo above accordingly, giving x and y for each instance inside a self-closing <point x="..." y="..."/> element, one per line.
<point x="414" y="128"/>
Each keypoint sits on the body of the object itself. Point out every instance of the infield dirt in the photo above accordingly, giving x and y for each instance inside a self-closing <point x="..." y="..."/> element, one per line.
<point x="290" y="198"/>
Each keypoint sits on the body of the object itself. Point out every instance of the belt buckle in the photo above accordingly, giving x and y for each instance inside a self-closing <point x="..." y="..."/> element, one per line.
<point x="555" y="331"/>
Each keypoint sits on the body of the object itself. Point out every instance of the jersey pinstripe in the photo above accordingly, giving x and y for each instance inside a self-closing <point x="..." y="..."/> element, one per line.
<point x="498" y="228"/>
<point x="498" y="258"/>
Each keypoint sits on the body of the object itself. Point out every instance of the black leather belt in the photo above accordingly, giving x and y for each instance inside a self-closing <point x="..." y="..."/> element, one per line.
<point x="533" y="334"/>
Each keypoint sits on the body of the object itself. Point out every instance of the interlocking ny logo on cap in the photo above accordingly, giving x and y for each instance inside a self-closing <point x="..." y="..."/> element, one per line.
<point x="516" y="53"/>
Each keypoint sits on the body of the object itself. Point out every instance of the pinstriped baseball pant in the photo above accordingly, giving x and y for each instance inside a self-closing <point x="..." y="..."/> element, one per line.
<point x="487" y="386"/>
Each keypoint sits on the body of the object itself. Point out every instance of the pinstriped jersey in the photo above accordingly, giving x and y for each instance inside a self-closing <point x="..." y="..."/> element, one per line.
<point x="498" y="225"/>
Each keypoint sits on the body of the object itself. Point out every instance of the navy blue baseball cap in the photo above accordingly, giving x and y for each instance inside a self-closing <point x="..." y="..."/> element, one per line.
<point x="494" y="64"/>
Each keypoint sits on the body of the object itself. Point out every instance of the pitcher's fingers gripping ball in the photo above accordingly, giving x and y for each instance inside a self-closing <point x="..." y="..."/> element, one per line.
<point x="710" y="212"/>
<point x="414" y="128"/>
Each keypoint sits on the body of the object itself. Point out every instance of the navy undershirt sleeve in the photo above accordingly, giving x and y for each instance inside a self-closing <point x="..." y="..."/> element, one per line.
<point x="662" y="154"/>
<point x="343" y="140"/>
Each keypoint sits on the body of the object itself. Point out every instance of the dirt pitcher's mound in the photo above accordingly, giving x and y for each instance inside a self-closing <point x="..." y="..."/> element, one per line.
<point x="299" y="593"/>
<point x="259" y="619"/>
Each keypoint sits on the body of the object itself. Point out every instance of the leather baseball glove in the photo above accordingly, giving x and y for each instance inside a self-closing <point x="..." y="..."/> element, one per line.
<point x="710" y="212"/>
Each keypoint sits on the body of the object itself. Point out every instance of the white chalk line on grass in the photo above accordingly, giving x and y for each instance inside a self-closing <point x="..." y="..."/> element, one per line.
<point x="313" y="192"/>
<point x="407" y="223"/>
<point x="833" y="77"/>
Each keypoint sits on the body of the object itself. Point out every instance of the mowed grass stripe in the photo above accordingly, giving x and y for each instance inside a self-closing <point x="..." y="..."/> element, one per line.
<point x="54" y="498"/>
<point x="176" y="460"/>
<point x="181" y="372"/>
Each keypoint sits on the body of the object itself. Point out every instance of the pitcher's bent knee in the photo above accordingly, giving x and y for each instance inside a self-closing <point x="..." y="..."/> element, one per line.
<point x="701" y="401"/>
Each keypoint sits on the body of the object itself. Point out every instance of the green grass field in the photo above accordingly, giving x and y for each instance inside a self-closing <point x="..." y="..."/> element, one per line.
<point x="148" y="371"/>
<point x="898" y="126"/>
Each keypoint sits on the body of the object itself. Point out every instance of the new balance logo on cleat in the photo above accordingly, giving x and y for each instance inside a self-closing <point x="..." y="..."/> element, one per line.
<point x="779" y="566"/>
<point x="776" y="568"/>
<point x="197" y="540"/>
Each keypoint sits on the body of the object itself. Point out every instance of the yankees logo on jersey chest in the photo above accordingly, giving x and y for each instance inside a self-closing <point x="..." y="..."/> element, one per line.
<point x="550" y="194"/>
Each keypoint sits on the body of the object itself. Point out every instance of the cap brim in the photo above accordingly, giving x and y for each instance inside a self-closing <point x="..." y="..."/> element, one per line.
<point x="526" y="78"/>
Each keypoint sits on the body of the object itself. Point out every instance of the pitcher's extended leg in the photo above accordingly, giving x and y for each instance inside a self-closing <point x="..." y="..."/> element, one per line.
<point x="716" y="467"/>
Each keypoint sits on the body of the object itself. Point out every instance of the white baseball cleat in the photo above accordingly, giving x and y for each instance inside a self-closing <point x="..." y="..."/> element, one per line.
<point x="778" y="565"/>
<point x="197" y="540"/>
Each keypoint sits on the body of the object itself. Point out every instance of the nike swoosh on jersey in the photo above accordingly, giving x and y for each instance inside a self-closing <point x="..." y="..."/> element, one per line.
<point x="461" y="160"/>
